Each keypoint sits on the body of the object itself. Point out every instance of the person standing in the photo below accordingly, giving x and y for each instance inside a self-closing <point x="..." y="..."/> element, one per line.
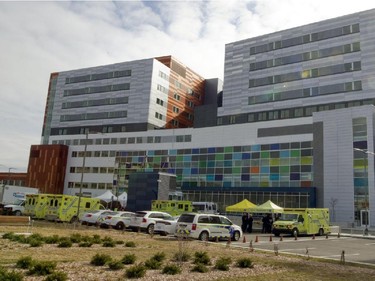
<point x="245" y="217"/>
<point x="250" y="224"/>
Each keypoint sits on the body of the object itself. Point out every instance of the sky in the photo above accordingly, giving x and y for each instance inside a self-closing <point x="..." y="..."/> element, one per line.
<point x="38" y="38"/>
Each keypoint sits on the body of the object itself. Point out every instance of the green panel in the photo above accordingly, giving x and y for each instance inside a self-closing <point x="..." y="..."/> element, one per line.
<point x="202" y="164"/>
<point x="219" y="156"/>
<point x="296" y="153"/>
<point x="228" y="149"/>
<point x="236" y="170"/>
<point x="179" y="158"/>
<point x="265" y="154"/>
<point x="274" y="161"/>
<point x="284" y="169"/>
<point x="264" y="184"/>
<point x="157" y="159"/>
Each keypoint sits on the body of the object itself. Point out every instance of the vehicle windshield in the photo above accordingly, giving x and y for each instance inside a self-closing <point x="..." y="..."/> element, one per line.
<point x="288" y="217"/>
<point x="18" y="202"/>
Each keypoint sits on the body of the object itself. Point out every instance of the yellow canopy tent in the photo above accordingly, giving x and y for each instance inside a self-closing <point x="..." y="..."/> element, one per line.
<point x="267" y="207"/>
<point x="243" y="206"/>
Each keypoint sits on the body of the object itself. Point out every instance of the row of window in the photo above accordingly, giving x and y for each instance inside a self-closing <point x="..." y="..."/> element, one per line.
<point x="307" y="92"/>
<point x="130" y="140"/>
<point x="98" y="89"/>
<point x="94" y="116"/>
<point x="92" y="170"/>
<point x="98" y="76"/>
<point x="288" y="113"/>
<point x="305" y="74"/>
<point x="304" y="39"/>
<point x="163" y="75"/>
<point x="97" y="102"/>
<point x="313" y="55"/>
<point x="91" y="185"/>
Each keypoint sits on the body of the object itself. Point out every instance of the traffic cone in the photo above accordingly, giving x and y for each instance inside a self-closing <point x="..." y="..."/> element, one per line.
<point x="338" y="235"/>
<point x="270" y="238"/>
<point x="326" y="236"/>
<point x="256" y="239"/>
<point x="244" y="239"/>
<point x="313" y="237"/>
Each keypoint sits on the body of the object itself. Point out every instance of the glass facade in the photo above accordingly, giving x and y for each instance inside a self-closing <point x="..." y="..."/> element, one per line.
<point x="257" y="166"/>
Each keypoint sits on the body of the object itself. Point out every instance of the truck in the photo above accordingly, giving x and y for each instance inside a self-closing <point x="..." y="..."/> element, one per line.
<point x="302" y="221"/>
<point x="12" y="198"/>
<point x="36" y="205"/>
<point x="64" y="208"/>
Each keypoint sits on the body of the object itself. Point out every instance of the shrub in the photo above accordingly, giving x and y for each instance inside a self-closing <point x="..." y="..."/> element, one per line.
<point x="86" y="238"/>
<point x="245" y="263"/>
<point x="135" y="271"/>
<point x="96" y="239"/>
<point x="24" y="262"/>
<point x="10" y="275"/>
<point x="223" y="263"/>
<point x="171" y="269"/>
<point x="100" y="259"/>
<point x="9" y="235"/>
<point x="35" y="242"/>
<point x="57" y="276"/>
<point x="42" y="267"/>
<point x="115" y="265"/>
<point x="202" y="257"/>
<point x="75" y="238"/>
<point x="128" y="259"/>
<point x="200" y="268"/>
<point x="152" y="264"/>
<point x="120" y="242"/>
<point x="85" y="244"/>
<point x="181" y="257"/>
<point x="65" y="242"/>
<point x="54" y="239"/>
<point x="130" y="244"/>
<point x="160" y="256"/>
<point x="36" y="236"/>
<point x="109" y="243"/>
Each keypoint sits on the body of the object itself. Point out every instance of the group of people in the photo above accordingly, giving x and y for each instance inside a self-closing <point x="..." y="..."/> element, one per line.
<point x="247" y="223"/>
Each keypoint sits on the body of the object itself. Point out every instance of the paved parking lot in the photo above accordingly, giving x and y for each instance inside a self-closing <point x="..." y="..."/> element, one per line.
<point x="351" y="249"/>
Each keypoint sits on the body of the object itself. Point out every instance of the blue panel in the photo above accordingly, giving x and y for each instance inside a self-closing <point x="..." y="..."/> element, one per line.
<point x="264" y="170"/>
<point x="245" y="177"/>
<point x="228" y="163"/>
<point x="245" y="156"/>
<point x="274" y="177"/>
<point x="186" y="171"/>
<point x="210" y="177"/>
<point x="275" y="146"/>
<point x="211" y="164"/>
<point x="360" y="182"/>
<point x="227" y="184"/>
<point x="294" y="176"/>
<point x="237" y="156"/>
<point x="172" y="171"/>
<point x="187" y="158"/>
<point x="284" y="153"/>
<point x="173" y="152"/>
<point x="151" y="153"/>
<point x="195" y="151"/>
<point x="255" y="147"/>
<point x="218" y="177"/>
<point x="211" y="150"/>
<point x="360" y="144"/>
<point x="194" y="171"/>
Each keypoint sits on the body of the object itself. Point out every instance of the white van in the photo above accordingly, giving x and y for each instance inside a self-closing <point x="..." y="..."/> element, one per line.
<point x="207" y="226"/>
<point x="205" y="207"/>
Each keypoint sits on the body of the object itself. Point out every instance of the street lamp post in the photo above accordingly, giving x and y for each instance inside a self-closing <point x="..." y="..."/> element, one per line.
<point x="82" y="172"/>
<point x="366" y="152"/>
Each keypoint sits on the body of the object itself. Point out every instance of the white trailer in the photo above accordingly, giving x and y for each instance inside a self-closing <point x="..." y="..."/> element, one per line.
<point x="12" y="198"/>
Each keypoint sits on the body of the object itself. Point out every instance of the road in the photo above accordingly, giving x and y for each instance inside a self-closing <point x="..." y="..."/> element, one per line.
<point x="348" y="249"/>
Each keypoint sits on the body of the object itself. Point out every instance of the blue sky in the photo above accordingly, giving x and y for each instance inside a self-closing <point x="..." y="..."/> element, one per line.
<point x="38" y="38"/>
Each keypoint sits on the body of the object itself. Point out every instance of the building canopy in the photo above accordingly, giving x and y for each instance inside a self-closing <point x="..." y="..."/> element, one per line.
<point x="243" y="206"/>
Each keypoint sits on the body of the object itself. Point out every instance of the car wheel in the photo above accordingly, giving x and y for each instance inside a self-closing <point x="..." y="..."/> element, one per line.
<point x="150" y="228"/>
<point x="120" y="226"/>
<point x="295" y="232"/>
<point x="203" y="236"/>
<point x="321" y="232"/>
<point x="17" y="213"/>
<point x="236" y="236"/>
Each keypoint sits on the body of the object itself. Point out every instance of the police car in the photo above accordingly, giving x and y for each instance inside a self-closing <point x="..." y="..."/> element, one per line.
<point x="207" y="226"/>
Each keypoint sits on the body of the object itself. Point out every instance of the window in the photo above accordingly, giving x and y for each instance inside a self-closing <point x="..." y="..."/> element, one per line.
<point x="175" y="109"/>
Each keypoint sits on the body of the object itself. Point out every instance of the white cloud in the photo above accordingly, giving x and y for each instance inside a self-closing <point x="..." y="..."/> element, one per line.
<point x="38" y="38"/>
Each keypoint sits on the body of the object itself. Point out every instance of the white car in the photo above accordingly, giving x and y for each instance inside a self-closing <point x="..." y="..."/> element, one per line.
<point x="121" y="220"/>
<point x="166" y="227"/>
<point x="145" y="220"/>
<point x="207" y="226"/>
<point x="91" y="218"/>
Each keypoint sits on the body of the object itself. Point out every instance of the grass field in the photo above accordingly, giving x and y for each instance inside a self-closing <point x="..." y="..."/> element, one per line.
<point x="75" y="260"/>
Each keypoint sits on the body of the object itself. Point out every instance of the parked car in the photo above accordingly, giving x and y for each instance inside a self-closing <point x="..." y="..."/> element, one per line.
<point x="207" y="226"/>
<point x="120" y="221"/>
<point x="166" y="227"/>
<point x="145" y="220"/>
<point x="91" y="218"/>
